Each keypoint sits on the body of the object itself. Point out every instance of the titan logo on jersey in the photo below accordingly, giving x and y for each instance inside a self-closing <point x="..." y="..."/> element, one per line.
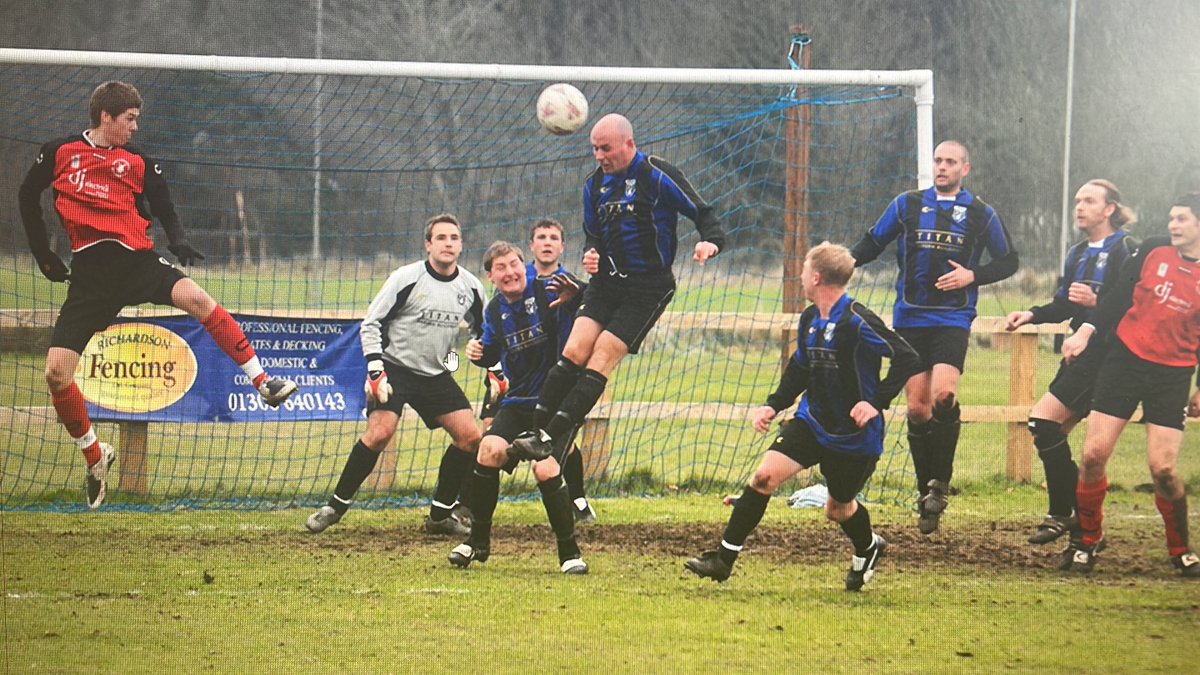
<point x="940" y="240"/>
<point x="437" y="317"/>
<point x="524" y="338"/>
<point x="614" y="209"/>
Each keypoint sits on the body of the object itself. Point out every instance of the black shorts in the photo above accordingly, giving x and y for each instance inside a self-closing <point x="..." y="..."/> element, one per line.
<point x="1075" y="383"/>
<point x="431" y="397"/>
<point x="106" y="278"/>
<point x="1126" y="379"/>
<point x="627" y="309"/>
<point x="511" y="421"/>
<point x="946" y="344"/>
<point x="845" y="473"/>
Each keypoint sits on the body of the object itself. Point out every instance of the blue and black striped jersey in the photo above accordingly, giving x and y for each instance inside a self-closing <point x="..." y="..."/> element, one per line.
<point x="929" y="233"/>
<point x="630" y="218"/>
<point x="837" y="363"/>
<point x="1093" y="264"/>
<point x="526" y="337"/>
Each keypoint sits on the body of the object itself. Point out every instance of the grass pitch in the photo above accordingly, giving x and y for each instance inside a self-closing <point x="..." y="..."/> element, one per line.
<point x="252" y="592"/>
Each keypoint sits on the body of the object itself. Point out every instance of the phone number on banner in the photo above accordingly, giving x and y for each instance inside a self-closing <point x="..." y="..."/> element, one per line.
<point x="303" y="401"/>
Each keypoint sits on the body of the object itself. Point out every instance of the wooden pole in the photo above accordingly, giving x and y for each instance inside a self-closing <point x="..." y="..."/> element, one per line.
<point x="796" y="206"/>
<point x="1022" y="376"/>
<point x="134" y="441"/>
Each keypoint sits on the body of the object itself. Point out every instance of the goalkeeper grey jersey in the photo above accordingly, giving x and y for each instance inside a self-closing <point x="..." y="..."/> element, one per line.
<point x="413" y="321"/>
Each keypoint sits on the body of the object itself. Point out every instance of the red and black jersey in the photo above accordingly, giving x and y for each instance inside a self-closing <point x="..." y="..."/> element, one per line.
<point x="100" y="194"/>
<point x="1156" y="305"/>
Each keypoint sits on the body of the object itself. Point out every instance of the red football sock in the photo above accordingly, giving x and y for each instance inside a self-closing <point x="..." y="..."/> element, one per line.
<point x="1090" y="499"/>
<point x="228" y="335"/>
<point x="1174" y="514"/>
<point x="72" y="412"/>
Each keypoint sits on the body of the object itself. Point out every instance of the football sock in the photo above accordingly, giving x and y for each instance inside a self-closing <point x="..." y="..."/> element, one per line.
<point x="485" y="492"/>
<point x="858" y="528"/>
<point x="558" y="512"/>
<point x="359" y="465"/>
<point x="1061" y="471"/>
<point x="1090" y="497"/>
<point x="451" y="474"/>
<point x="72" y="412"/>
<point x="578" y="403"/>
<point x="946" y="424"/>
<point x="229" y="337"/>
<point x="746" y="515"/>
<point x="919" y="438"/>
<point x="559" y="381"/>
<point x="1174" y="514"/>
<point x="572" y="473"/>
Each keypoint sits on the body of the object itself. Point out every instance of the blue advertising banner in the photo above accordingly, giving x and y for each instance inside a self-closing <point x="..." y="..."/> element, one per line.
<point x="171" y="370"/>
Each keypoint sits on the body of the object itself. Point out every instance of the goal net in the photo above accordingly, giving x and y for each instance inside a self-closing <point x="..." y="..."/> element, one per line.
<point x="305" y="182"/>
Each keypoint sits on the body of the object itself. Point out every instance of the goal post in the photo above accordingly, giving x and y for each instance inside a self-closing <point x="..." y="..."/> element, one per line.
<point x="306" y="181"/>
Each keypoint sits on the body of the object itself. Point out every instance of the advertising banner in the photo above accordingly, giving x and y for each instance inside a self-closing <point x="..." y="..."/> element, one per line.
<point x="170" y="370"/>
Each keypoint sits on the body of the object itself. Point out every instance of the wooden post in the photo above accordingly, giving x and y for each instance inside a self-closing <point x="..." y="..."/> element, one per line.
<point x="796" y="201"/>
<point x="134" y="440"/>
<point x="593" y="440"/>
<point x="1022" y="376"/>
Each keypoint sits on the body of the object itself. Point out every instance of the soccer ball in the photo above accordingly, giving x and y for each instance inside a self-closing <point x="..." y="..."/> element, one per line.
<point x="562" y="109"/>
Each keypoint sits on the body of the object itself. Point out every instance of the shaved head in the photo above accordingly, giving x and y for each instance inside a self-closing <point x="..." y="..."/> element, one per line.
<point x="613" y="124"/>
<point x="612" y="143"/>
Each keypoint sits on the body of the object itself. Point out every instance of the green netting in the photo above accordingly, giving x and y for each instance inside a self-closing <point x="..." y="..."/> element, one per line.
<point x="242" y="153"/>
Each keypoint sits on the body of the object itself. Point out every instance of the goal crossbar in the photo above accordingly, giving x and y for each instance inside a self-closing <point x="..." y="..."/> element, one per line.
<point x="921" y="81"/>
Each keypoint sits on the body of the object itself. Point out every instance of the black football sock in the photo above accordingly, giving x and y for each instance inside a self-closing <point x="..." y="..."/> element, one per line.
<point x="572" y="473"/>
<point x="747" y="513"/>
<point x="359" y="465"/>
<point x="578" y="403"/>
<point x="858" y="528"/>
<point x="454" y="468"/>
<point x="919" y="441"/>
<point x="560" y="380"/>
<point x="1062" y="474"/>
<point x="944" y="434"/>
<point x="485" y="492"/>
<point x="558" y="512"/>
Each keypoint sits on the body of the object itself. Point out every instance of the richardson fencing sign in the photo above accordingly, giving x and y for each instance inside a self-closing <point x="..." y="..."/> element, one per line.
<point x="170" y="370"/>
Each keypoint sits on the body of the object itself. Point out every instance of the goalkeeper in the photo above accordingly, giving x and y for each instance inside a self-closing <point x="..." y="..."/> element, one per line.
<point x="546" y="246"/>
<point x="837" y="425"/>
<point x="408" y="336"/>
<point x="525" y="326"/>
<point x="106" y="192"/>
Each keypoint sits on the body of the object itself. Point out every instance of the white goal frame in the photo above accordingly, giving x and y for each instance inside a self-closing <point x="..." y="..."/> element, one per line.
<point x="921" y="81"/>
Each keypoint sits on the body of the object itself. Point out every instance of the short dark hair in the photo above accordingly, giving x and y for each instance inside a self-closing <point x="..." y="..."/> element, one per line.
<point x="547" y="224"/>
<point x="446" y="217"/>
<point x="1191" y="200"/>
<point x="114" y="98"/>
<point x="497" y="249"/>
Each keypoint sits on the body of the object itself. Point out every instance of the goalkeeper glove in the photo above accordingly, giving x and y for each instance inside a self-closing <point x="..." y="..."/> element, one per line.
<point x="52" y="267"/>
<point x="184" y="251"/>
<point x="377" y="386"/>
<point x="497" y="382"/>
